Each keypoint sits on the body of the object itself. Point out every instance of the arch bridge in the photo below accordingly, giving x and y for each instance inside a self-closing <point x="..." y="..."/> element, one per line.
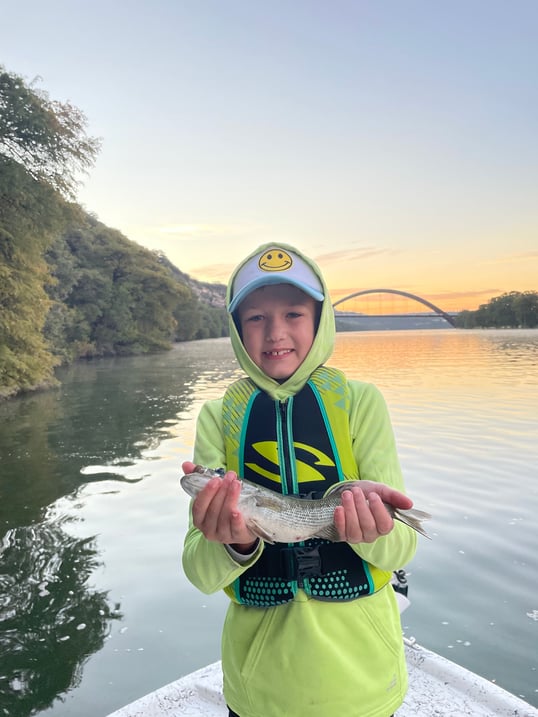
<point x="437" y="311"/>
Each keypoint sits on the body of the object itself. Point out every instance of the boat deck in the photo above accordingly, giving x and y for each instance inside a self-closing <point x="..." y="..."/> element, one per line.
<point x="437" y="688"/>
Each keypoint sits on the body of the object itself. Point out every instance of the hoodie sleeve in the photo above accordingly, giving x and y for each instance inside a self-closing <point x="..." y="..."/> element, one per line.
<point x="375" y="452"/>
<point x="208" y="565"/>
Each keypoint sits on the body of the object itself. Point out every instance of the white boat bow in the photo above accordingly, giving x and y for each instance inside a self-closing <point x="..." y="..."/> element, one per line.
<point x="437" y="686"/>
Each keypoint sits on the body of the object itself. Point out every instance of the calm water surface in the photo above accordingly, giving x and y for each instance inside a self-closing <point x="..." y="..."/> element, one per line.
<point x="94" y="608"/>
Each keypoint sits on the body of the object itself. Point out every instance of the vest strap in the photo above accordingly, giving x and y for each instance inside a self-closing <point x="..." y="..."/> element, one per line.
<point x="296" y="562"/>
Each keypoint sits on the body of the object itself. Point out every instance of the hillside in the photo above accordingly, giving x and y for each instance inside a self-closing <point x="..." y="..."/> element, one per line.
<point x="211" y="294"/>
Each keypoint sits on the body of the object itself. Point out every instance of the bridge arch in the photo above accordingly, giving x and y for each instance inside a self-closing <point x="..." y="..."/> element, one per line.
<point x="408" y="295"/>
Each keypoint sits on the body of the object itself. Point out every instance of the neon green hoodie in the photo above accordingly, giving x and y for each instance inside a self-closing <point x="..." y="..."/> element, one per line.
<point x="309" y="658"/>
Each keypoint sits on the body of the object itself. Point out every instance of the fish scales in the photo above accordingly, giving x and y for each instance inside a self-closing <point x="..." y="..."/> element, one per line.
<point x="278" y="518"/>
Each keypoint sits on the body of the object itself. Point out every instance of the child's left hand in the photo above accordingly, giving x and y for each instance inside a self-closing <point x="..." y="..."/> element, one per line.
<point x="362" y="517"/>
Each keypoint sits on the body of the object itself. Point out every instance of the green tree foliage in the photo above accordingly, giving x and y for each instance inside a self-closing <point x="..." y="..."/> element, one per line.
<point x="200" y="321"/>
<point x="195" y="318"/>
<point x="110" y="296"/>
<point x="213" y="322"/>
<point x="510" y="310"/>
<point x="45" y="137"/>
<point x="30" y="214"/>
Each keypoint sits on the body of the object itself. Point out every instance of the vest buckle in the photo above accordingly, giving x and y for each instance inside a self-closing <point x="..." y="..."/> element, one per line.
<point x="302" y="562"/>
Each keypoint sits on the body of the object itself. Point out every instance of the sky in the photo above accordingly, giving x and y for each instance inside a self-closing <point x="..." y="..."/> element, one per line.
<point x="395" y="142"/>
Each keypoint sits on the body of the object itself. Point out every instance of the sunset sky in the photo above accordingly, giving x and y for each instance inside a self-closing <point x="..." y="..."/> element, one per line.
<point x="395" y="142"/>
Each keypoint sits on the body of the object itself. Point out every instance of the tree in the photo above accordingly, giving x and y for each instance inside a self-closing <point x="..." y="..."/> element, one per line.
<point x="500" y="311"/>
<point x="111" y="296"/>
<point x="511" y="310"/>
<point x="45" y="137"/>
<point x="29" y="215"/>
<point x="42" y="147"/>
<point x="526" y="309"/>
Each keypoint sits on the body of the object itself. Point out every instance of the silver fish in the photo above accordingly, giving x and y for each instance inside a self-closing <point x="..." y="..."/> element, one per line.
<point x="279" y="518"/>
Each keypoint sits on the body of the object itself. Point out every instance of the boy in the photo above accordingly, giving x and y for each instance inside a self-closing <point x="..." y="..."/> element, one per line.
<point x="312" y="629"/>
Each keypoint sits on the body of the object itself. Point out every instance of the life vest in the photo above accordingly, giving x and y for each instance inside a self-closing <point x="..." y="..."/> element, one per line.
<point x="299" y="447"/>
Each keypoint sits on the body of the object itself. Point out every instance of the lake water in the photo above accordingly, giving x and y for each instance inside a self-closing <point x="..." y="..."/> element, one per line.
<point x="94" y="608"/>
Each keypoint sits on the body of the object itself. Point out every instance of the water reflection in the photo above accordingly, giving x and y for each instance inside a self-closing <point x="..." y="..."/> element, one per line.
<point x="50" y="619"/>
<point x="476" y="358"/>
<point x="104" y="414"/>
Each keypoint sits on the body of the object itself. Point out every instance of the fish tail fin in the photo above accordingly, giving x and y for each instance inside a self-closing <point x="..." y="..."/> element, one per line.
<point x="413" y="518"/>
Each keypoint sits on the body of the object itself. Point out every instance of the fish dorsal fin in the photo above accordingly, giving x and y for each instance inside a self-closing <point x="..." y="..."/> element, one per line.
<point x="338" y="488"/>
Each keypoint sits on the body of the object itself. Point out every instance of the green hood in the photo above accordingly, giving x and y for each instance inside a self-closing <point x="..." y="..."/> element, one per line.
<point x="321" y="349"/>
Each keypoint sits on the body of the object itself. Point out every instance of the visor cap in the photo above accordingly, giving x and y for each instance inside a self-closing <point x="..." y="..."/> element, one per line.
<point x="274" y="266"/>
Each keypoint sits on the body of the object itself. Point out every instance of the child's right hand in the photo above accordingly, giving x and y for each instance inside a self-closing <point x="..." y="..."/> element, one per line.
<point x="215" y="513"/>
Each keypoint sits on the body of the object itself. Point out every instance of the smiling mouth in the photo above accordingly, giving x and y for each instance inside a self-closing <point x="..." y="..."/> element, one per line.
<point x="277" y="354"/>
<point x="275" y="267"/>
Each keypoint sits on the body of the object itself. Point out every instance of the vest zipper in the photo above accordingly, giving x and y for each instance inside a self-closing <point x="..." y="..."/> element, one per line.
<point x="286" y="467"/>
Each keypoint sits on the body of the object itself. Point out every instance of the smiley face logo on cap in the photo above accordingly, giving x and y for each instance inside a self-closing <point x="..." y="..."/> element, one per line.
<point x="275" y="260"/>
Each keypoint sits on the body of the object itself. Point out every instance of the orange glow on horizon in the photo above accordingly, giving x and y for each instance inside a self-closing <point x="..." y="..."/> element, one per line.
<point x="387" y="303"/>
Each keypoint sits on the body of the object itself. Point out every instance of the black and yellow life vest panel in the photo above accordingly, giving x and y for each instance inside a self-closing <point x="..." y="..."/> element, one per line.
<point x="298" y="447"/>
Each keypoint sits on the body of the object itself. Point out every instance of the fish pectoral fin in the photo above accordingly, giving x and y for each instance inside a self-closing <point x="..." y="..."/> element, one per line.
<point x="329" y="532"/>
<point x="255" y="528"/>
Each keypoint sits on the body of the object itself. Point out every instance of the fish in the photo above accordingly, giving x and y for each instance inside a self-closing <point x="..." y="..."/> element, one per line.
<point x="277" y="518"/>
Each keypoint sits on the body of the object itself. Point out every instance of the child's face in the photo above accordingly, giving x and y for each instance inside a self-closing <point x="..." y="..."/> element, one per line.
<point x="278" y="328"/>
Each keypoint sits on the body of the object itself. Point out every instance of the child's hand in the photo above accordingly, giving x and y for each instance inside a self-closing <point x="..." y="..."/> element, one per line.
<point x="215" y="513"/>
<point x="362" y="517"/>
